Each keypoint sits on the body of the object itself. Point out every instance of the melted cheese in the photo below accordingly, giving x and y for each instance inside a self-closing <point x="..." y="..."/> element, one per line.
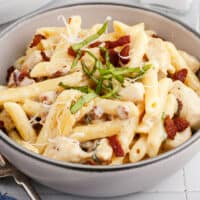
<point x="65" y="149"/>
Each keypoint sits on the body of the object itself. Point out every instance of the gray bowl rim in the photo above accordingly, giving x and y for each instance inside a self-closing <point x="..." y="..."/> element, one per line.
<point x="89" y="168"/>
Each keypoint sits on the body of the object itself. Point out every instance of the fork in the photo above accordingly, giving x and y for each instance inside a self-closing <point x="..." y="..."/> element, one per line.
<point x="6" y="170"/>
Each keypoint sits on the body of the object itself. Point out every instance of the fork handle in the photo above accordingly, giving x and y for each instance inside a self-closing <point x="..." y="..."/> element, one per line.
<point x="30" y="191"/>
<point x="24" y="182"/>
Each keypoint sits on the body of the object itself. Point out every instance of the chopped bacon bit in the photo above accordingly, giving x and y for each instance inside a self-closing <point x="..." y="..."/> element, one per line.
<point x="9" y="72"/>
<point x="181" y="123"/>
<point x="71" y="52"/>
<point x="157" y="36"/>
<point x="124" y="53"/>
<point x="177" y="124"/>
<point x="116" y="146"/>
<point x="22" y="75"/>
<point x="69" y="20"/>
<point x="36" y="40"/>
<point x="170" y="127"/>
<point x="17" y="77"/>
<point x="57" y="74"/>
<point x="95" y="44"/>
<point x="180" y="75"/>
<point x="120" y="42"/>
<point x="145" y="58"/>
<point x="114" y="57"/>
<point x="44" y="56"/>
<point x="82" y="54"/>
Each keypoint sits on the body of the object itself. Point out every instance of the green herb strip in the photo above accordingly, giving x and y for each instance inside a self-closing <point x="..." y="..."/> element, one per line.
<point x="91" y="38"/>
<point x="75" y="61"/>
<point x="81" y="102"/>
<point x="163" y="116"/>
<point x="84" y="89"/>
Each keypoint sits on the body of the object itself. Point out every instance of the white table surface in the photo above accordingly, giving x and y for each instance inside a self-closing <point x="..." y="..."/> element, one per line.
<point x="184" y="185"/>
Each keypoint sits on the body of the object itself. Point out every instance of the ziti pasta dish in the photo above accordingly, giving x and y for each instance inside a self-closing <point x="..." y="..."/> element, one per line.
<point x="102" y="98"/>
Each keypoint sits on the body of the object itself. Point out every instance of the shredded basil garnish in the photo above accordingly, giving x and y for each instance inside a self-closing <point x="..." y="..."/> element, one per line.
<point x="91" y="38"/>
<point x="84" y="89"/>
<point x="105" y="79"/>
<point x="163" y="116"/>
<point x="75" y="61"/>
<point x="82" y="101"/>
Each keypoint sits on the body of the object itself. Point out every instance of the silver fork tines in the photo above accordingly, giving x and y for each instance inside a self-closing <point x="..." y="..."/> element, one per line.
<point x="6" y="169"/>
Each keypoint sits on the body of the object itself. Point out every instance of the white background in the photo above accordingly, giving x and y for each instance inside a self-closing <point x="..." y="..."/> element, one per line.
<point x="184" y="185"/>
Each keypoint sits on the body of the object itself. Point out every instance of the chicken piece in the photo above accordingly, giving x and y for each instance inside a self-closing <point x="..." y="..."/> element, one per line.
<point x="191" y="103"/>
<point x="158" y="55"/>
<point x="104" y="151"/>
<point x="132" y="92"/>
<point x="191" y="61"/>
<point x="66" y="149"/>
<point x="179" y="139"/>
<point x="32" y="59"/>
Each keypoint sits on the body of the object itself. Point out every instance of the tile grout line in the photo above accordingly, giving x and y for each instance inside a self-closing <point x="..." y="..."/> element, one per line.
<point x="185" y="185"/>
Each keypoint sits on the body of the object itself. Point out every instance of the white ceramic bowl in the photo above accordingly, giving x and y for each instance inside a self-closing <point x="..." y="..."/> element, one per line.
<point x="96" y="180"/>
<point x="10" y="10"/>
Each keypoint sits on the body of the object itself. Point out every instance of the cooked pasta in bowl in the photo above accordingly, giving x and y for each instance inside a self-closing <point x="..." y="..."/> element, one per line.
<point x="99" y="98"/>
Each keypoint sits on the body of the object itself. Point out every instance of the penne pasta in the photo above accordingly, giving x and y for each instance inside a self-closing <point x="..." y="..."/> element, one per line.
<point x="138" y="150"/>
<point x="34" y="90"/>
<point x="96" y="131"/>
<point x="179" y="63"/>
<point x="21" y="121"/>
<point x="96" y="97"/>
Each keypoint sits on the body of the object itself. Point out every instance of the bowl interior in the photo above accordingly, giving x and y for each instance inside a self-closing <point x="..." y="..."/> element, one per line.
<point x="14" y="40"/>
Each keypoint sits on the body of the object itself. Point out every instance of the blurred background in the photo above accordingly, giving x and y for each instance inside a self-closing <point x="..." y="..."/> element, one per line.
<point x="185" y="10"/>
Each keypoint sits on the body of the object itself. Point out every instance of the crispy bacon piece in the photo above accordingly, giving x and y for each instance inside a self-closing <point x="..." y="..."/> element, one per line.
<point x="22" y="75"/>
<point x="180" y="75"/>
<point x="36" y="40"/>
<point x="170" y="127"/>
<point x="120" y="42"/>
<point x="95" y="44"/>
<point x="44" y="56"/>
<point x="116" y="146"/>
<point x="124" y="54"/>
<point x="181" y="123"/>
<point x="72" y="53"/>
<point x="145" y="58"/>
<point x="57" y="74"/>
<point x="10" y="70"/>
<point x="114" y="57"/>
<point x="17" y="77"/>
